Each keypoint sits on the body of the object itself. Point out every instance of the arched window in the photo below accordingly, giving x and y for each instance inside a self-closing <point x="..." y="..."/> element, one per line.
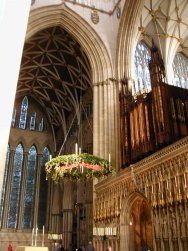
<point x="41" y="125"/>
<point x="4" y="181"/>
<point x="30" y="188"/>
<point x="23" y="114"/>
<point x="15" y="188"/>
<point x="33" y="121"/>
<point x="180" y="67"/>
<point x="43" y="189"/>
<point x="13" y="118"/>
<point x="142" y="76"/>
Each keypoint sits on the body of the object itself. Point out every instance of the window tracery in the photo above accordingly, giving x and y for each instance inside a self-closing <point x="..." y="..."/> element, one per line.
<point x="23" y="115"/>
<point x="30" y="188"/>
<point x="142" y="75"/>
<point x="43" y="189"/>
<point x="15" y="188"/>
<point x="180" y="67"/>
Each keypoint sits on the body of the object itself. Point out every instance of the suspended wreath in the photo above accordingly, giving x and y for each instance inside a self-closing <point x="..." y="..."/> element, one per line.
<point x="77" y="166"/>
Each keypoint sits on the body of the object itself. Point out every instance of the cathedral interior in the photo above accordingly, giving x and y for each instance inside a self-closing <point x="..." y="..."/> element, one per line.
<point x="110" y="76"/>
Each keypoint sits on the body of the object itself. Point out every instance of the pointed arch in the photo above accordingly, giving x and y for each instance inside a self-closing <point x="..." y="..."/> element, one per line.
<point x="30" y="188"/>
<point x="42" y="208"/>
<point x="93" y="46"/>
<point x="15" y="187"/>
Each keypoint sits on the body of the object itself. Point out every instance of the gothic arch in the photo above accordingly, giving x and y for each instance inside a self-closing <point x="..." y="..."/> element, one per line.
<point x="127" y="38"/>
<point x="135" y="210"/>
<point x="49" y="16"/>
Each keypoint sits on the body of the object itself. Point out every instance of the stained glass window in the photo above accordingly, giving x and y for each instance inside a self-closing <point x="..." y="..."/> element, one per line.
<point x="142" y="76"/>
<point x="13" y="118"/>
<point x="30" y="188"/>
<point x="4" y="181"/>
<point x="15" y="188"/>
<point x="41" y="125"/>
<point x="23" y="114"/>
<point x="180" y="67"/>
<point x="43" y="189"/>
<point x="33" y="121"/>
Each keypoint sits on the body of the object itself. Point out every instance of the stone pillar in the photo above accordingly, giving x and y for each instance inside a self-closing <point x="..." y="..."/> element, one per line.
<point x="11" y="53"/>
<point x="105" y="116"/>
<point x="68" y="206"/>
<point x="37" y="189"/>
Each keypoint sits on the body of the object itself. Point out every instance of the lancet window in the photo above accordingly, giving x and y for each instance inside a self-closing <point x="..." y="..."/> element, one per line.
<point x="23" y="114"/>
<point x="30" y="188"/>
<point x="43" y="189"/>
<point x="15" y="187"/>
<point x="33" y="121"/>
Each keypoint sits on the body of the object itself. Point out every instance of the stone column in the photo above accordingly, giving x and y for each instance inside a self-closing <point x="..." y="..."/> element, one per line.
<point x="9" y="12"/>
<point x="68" y="206"/>
<point x="95" y="120"/>
<point x="37" y="189"/>
<point x="105" y="116"/>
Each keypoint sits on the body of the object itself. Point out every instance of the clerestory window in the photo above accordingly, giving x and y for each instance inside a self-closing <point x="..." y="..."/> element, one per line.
<point x="142" y="75"/>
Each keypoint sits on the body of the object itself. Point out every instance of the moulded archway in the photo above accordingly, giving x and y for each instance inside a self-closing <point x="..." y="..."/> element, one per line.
<point x="136" y="224"/>
<point x="104" y="91"/>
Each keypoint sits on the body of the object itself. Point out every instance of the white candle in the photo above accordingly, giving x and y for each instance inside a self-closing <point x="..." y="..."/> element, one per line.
<point x="43" y="236"/>
<point x="32" y="237"/>
<point x="80" y="150"/>
<point x="36" y="236"/>
<point x="109" y="158"/>
<point x="76" y="148"/>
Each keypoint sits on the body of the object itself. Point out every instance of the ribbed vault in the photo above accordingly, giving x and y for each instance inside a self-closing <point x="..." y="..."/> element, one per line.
<point x="62" y="58"/>
<point x="165" y="22"/>
<point x="54" y="71"/>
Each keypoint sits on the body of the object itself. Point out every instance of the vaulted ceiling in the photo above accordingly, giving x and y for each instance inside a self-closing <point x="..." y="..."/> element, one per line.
<point x="166" y="22"/>
<point x="55" y="72"/>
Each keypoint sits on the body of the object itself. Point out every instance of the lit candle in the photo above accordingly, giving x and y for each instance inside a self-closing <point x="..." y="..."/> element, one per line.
<point x="76" y="148"/>
<point x="109" y="158"/>
<point x="80" y="150"/>
<point x="36" y="236"/>
<point x="43" y="236"/>
<point x="32" y="237"/>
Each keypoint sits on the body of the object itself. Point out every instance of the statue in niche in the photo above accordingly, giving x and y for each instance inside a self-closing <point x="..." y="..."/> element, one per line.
<point x="165" y="225"/>
<point x="156" y="225"/>
<point x="173" y="223"/>
<point x="183" y="222"/>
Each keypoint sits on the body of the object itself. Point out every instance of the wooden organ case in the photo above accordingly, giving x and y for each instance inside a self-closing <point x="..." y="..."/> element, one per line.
<point x="152" y="120"/>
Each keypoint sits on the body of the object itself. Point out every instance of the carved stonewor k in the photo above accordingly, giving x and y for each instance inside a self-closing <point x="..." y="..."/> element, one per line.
<point x="160" y="99"/>
<point x="125" y="98"/>
<point x="94" y="16"/>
